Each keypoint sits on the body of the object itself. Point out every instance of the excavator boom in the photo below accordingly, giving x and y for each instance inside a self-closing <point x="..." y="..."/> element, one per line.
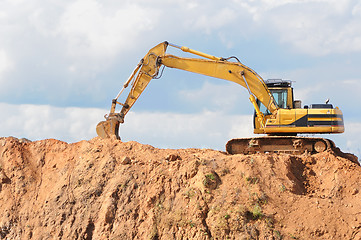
<point x="212" y="66"/>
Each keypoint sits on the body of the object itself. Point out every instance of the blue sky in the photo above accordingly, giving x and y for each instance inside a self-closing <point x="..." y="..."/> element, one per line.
<point x="61" y="63"/>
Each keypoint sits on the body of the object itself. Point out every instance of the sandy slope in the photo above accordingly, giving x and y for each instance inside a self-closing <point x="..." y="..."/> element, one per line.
<point x="108" y="189"/>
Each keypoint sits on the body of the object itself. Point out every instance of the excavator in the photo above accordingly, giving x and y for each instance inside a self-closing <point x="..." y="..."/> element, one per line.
<point x="277" y="115"/>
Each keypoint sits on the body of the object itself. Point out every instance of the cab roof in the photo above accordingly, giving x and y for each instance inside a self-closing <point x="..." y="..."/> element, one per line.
<point x="278" y="83"/>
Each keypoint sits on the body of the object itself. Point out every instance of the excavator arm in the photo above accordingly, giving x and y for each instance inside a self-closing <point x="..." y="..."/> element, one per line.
<point x="149" y="68"/>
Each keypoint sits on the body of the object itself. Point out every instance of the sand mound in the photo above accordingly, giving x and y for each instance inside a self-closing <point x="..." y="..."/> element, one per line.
<point x="108" y="189"/>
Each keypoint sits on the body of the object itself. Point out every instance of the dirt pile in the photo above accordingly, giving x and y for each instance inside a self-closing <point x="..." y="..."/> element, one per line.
<point x="108" y="189"/>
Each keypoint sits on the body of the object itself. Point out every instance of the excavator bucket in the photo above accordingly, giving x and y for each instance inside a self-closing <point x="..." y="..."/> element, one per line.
<point x="108" y="129"/>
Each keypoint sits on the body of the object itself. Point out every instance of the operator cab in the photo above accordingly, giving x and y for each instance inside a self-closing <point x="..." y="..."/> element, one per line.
<point x="282" y="93"/>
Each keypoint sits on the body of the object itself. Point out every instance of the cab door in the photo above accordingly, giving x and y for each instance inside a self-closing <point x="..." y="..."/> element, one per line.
<point x="287" y="116"/>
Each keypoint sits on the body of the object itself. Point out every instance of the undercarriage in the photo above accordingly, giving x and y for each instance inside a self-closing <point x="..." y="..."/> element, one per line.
<point x="285" y="144"/>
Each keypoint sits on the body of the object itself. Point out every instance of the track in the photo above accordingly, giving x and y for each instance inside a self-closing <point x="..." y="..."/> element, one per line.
<point x="279" y="144"/>
<point x="285" y="144"/>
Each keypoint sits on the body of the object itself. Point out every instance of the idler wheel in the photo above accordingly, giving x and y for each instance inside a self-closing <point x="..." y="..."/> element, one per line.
<point x="320" y="146"/>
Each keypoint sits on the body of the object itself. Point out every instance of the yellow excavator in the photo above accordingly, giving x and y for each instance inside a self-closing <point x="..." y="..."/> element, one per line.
<point x="277" y="114"/>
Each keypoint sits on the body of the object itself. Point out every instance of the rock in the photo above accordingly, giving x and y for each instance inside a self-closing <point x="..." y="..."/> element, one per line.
<point x="24" y="140"/>
<point x="173" y="157"/>
<point x="126" y="160"/>
<point x="3" y="177"/>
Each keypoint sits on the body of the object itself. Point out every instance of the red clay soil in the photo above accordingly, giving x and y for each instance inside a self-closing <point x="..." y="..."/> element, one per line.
<point x="108" y="189"/>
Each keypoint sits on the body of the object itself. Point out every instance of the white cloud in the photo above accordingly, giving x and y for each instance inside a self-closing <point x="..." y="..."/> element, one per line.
<point x="353" y="130"/>
<point x="172" y="130"/>
<point x="168" y="130"/>
<point x="307" y="94"/>
<point x="223" y="97"/>
<point x="315" y="27"/>
<point x="5" y="63"/>
<point x="207" y="22"/>
<point x="42" y="121"/>
<point x="95" y="30"/>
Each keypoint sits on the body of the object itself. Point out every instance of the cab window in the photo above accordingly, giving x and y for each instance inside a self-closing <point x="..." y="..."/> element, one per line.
<point x="280" y="96"/>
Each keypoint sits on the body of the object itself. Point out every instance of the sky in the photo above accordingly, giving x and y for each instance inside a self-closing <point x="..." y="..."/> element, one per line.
<point x="62" y="61"/>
